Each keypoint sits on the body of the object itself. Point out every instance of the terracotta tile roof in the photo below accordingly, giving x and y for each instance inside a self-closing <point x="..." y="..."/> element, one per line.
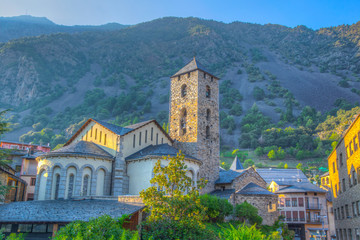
<point x="64" y="210"/>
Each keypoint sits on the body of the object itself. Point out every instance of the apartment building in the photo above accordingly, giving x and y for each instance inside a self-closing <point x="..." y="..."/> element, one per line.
<point x="344" y="171"/>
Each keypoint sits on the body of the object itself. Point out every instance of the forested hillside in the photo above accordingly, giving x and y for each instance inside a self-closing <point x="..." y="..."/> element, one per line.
<point x="278" y="84"/>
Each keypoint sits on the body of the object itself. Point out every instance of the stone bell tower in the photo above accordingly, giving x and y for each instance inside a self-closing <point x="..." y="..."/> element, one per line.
<point x="194" y="118"/>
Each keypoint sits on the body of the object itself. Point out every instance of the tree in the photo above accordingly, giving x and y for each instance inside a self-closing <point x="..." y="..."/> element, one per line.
<point x="173" y="196"/>
<point x="100" y="228"/>
<point x="4" y="127"/>
<point x="272" y="155"/>
<point x="246" y="211"/>
<point x="286" y="166"/>
<point x="217" y="208"/>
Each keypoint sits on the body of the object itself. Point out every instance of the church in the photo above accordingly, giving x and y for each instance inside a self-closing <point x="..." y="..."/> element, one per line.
<point x="103" y="167"/>
<point x="102" y="159"/>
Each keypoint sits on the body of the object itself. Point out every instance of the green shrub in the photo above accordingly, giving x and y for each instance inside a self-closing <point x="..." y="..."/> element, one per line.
<point x="217" y="208"/>
<point x="174" y="230"/>
<point x="236" y="110"/>
<point x="244" y="232"/>
<point x="246" y="211"/>
<point x="258" y="93"/>
<point x="248" y="163"/>
<point x="103" y="227"/>
<point x="259" y="151"/>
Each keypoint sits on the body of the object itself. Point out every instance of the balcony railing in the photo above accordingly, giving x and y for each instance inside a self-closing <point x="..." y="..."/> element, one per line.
<point x="313" y="221"/>
<point x="313" y="206"/>
<point x="295" y="219"/>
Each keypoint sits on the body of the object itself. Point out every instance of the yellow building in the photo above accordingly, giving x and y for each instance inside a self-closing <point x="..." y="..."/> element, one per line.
<point x="344" y="171"/>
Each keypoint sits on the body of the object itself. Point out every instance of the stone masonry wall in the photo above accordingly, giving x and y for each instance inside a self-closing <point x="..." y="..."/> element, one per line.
<point x="262" y="203"/>
<point x="249" y="176"/>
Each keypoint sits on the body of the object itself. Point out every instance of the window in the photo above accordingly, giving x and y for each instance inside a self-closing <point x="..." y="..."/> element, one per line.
<point x="342" y="213"/>
<point x="351" y="148"/>
<point x="355" y="144"/>
<point x="32" y="181"/>
<point x="350" y="234"/>
<point x="100" y="136"/>
<point x="152" y="131"/>
<point x="145" y="136"/>
<point x="57" y="185"/>
<point x="294" y="202"/>
<point x="188" y="75"/>
<point x="162" y="140"/>
<point x="301" y="202"/>
<point x="134" y="139"/>
<point x="208" y="113"/>
<point x="205" y="75"/>
<point x="354" y="209"/>
<point x="358" y="207"/>
<point x="140" y="139"/>
<point x="183" y="90"/>
<point x="357" y="234"/>
<point x="208" y="92"/>
<point x="281" y="202"/>
<point x="91" y="131"/>
<point x="343" y="185"/>
<point x="183" y="122"/>
<point x="341" y="159"/>
<point x="287" y="202"/>
<point x="295" y="216"/>
<point x="336" y="190"/>
<point x="157" y="139"/>
<point x="30" y="197"/>
<point x="85" y="185"/>
<point x="347" y="210"/>
<point x="288" y="215"/>
<point x="333" y="167"/>
<point x="104" y="139"/>
<point x="270" y="205"/>
<point x="179" y="78"/>
<point x="207" y="132"/>
<point x="338" y="211"/>
<point x="335" y="216"/>
<point x="212" y="78"/>
<point x="71" y="185"/>
<point x="354" y="177"/>
<point x="302" y="216"/>
<point x="95" y="134"/>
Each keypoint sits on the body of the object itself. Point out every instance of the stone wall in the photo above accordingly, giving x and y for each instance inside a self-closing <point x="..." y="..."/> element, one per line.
<point x="266" y="204"/>
<point x="250" y="176"/>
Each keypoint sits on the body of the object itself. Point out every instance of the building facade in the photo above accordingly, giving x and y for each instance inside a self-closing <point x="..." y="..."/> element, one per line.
<point x="344" y="170"/>
<point x="302" y="204"/>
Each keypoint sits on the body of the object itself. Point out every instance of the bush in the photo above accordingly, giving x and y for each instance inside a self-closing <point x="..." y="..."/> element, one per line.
<point x="173" y="230"/>
<point x="248" y="163"/>
<point x="259" y="151"/>
<point x="236" y="110"/>
<point x="258" y="93"/>
<point x="103" y="227"/>
<point x="217" y="208"/>
<point x="245" y="232"/>
<point x="246" y="211"/>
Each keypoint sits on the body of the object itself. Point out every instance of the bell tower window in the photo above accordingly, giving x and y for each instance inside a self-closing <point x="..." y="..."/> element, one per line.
<point x="208" y="92"/>
<point x="207" y="132"/>
<point x="183" y="122"/>
<point x="188" y="75"/>
<point x="183" y="90"/>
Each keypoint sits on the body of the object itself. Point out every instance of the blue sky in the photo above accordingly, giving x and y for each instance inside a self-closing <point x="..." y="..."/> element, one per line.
<point x="311" y="13"/>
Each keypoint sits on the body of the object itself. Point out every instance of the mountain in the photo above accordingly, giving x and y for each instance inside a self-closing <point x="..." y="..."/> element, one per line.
<point x="53" y="81"/>
<point x="27" y="26"/>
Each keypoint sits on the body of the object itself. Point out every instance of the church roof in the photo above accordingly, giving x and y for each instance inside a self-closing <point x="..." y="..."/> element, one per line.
<point x="226" y="177"/>
<point x="192" y="66"/>
<point x="81" y="148"/>
<point x="157" y="150"/>
<point x="117" y="129"/>
<point x="236" y="165"/>
<point x="64" y="210"/>
<point x="254" y="189"/>
<point x="281" y="175"/>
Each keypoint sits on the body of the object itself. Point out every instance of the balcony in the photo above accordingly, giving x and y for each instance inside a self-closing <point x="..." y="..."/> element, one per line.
<point x="295" y="220"/>
<point x="313" y="221"/>
<point x="313" y="206"/>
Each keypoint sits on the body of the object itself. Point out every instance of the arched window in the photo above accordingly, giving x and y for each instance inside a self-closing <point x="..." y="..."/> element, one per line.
<point x="71" y="185"/>
<point x="140" y="139"/>
<point x="188" y="75"/>
<point x="157" y="139"/>
<point x="152" y="131"/>
<point x="134" y="139"/>
<point x="207" y="132"/>
<point x="85" y="185"/>
<point x="183" y="122"/>
<point x="208" y="92"/>
<point x="183" y="90"/>
<point x="145" y="136"/>
<point x="55" y="183"/>
<point x="208" y="114"/>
